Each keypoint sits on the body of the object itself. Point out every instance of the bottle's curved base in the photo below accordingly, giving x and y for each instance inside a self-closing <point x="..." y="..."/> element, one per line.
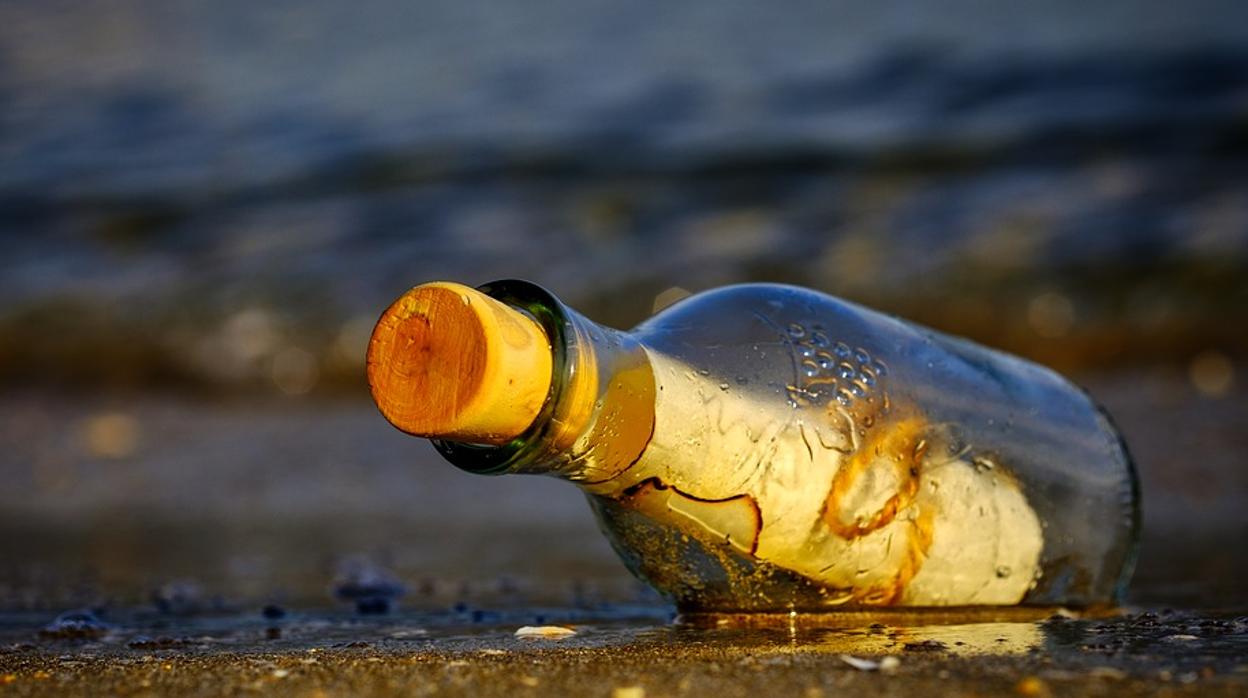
<point x="1131" y="501"/>
<point x="712" y="579"/>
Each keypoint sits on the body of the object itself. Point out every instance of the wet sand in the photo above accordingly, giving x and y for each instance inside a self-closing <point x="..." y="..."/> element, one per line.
<point x="221" y="548"/>
<point x="1142" y="653"/>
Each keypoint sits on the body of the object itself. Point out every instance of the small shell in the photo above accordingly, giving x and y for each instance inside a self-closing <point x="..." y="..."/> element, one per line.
<point x="545" y="632"/>
<point x="885" y="664"/>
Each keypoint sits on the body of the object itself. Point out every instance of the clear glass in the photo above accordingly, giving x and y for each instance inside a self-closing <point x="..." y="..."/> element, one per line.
<point x="770" y="448"/>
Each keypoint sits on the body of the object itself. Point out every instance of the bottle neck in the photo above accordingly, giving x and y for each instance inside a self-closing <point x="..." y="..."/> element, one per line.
<point x="598" y="416"/>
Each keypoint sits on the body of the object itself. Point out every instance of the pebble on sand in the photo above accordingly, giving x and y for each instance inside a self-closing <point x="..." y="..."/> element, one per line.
<point x="885" y="664"/>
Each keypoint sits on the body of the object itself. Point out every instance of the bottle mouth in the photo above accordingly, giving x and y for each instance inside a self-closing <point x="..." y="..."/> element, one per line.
<point x="550" y="314"/>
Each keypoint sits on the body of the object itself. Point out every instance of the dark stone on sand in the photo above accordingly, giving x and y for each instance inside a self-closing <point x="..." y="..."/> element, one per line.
<point x="372" y="588"/>
<point x="80" y="624"/>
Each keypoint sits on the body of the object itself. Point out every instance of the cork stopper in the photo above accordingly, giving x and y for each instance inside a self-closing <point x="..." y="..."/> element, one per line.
<point x="449" y="362"/>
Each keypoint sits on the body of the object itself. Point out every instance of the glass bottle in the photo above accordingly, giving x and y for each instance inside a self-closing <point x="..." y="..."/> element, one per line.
<point x="770" y="448"/>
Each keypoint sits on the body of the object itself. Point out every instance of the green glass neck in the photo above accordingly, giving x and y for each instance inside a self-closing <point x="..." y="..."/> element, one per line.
<point x="599" y="413"/>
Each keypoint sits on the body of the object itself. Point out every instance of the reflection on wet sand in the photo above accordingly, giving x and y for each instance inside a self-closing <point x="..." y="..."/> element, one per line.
<point x="964" y="639"/>
<point x="960" y="632"/>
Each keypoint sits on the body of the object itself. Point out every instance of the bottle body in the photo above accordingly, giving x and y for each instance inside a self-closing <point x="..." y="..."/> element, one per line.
<point x="770" y="448"/>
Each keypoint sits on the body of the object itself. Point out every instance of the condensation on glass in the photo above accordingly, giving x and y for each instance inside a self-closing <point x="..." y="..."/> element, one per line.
<point x="770" y="448"/>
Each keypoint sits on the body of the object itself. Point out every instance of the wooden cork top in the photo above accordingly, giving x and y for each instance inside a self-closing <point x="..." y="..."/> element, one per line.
<point x="447" y="361"/>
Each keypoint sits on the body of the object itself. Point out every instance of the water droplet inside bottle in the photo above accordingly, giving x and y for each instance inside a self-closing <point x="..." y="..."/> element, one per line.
<point x="881" y="369"/>
<point x="846" y="371"/>
<point x="805" y="350"/>
<point x="796" y="331"/>
<point x="861" y="355"/>
<point x="810" y="368"/>
<point x="820" y="339"/>
<point x="825" y="360"/>
<point x="842" y="350"/>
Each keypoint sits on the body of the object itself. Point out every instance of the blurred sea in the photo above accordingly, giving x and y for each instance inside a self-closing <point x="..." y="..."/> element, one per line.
<point x="218" y="199"/>
<point x="189" y="191"/>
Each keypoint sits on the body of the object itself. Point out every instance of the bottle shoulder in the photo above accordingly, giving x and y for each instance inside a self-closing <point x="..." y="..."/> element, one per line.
<point x="772" y="298"/>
